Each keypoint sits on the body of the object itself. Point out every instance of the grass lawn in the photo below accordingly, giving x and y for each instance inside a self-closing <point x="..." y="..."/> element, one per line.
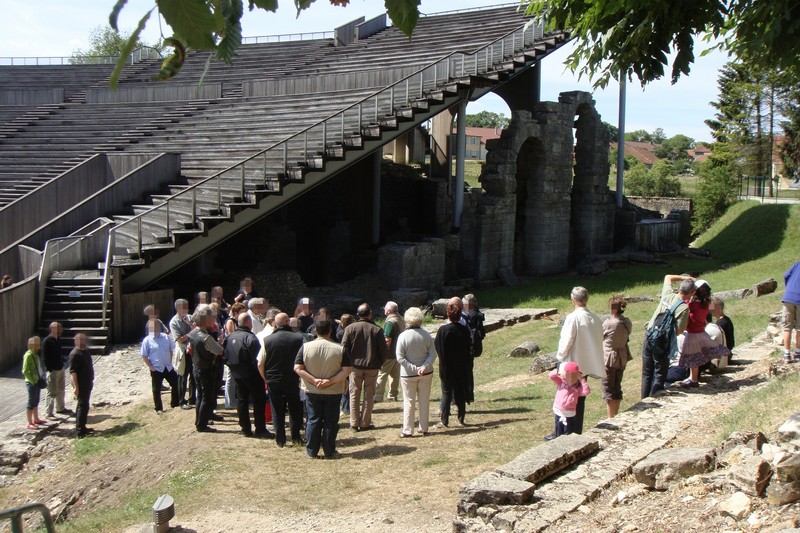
<point x="511" y="413"/>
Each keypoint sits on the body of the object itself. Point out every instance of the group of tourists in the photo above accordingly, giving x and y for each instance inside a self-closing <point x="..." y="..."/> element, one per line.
<point x="317" y="368"/>
<point x="309" y="365"/>
<point x="680" y="341"/>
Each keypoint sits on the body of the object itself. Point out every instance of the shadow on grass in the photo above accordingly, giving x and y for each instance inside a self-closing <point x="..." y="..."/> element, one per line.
<point x="755" y="232"/>
<point x="96" y="419"/>
<point x="740" y="243"/>
<point x="382" y="451"/>
<point x="509" y="410"/>
<point x="120" y="429"/>
<point x="514" y="399"/>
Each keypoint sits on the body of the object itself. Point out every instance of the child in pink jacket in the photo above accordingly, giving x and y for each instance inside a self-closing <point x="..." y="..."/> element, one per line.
<point x="571" y="386"/>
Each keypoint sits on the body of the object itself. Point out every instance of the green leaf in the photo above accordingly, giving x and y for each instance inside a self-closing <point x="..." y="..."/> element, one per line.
<point x="302" y="4"/>
<point x="127" y="49"/>
<point x="206" y="66"/>
<point x="232" y="11"/>
<point x="404" y="14"/>
<point x="267" y="5"/>
<point x="112" y="18"/>
<point x="192" y="20"/>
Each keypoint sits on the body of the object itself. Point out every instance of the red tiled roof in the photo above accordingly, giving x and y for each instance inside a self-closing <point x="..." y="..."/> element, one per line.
<point x="644" y="152"/>
<point x="484" y="133"/>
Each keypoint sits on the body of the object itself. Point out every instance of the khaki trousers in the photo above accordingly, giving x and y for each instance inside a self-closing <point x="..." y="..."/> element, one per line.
<point x="362" y="379"/>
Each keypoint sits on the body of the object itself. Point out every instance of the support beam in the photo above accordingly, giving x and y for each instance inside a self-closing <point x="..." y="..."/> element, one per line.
<point x="376" y="197"/>
<point x="461" y="148"/>
<point x="621" y="138"/>
<point x="441" y="130"/>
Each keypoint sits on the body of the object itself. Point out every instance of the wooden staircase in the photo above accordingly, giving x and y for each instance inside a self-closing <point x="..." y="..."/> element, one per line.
<point x="75" y="299"/>
<point x="160" y="238"/>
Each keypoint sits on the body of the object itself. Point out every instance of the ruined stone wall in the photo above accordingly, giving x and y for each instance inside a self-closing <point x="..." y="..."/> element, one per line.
<point x="419" y="265"/>
<point x="662" y="204"/>
<point x="533" y="217"/>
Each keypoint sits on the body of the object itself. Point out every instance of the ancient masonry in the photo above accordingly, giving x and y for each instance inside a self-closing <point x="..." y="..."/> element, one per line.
<point x="546" y="483"/>
<point x="535" y="217"/>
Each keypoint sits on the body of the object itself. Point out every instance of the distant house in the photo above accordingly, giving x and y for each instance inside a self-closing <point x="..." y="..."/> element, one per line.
<point x="699" y="153"/>
<point x="643" y="152"/>
<point x="476" y="141"/>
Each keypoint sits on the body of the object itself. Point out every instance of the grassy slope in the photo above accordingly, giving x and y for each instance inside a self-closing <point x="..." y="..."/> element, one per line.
<point x="512" y="409"/>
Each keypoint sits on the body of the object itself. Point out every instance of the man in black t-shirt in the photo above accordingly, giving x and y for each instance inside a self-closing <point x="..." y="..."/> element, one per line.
<point x="724" y="323"/>
<point x="81" y="370"/>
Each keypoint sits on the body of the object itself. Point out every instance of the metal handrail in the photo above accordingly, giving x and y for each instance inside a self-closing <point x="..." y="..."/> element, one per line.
<point x="453" y="66"/>
<point x="283" y="37"/>
<point x="34" y="61"/>
<point x="14" y="514"/>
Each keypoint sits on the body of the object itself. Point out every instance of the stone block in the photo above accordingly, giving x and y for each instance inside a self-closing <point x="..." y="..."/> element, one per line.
<point x="752" y="439"/>
<point x="592" y="268"/>
<point x="768" y="286"/>
<point x="493" y="488"/>
<point x="526" y="349"/>
<point x="781" y="492"/>
<point x="407" y="297"/>
<point x="737" y="506"/>
<point x="788" y="469"/>
<point x="662" y="467"/>
<point x="439" y="308"/>
<point x="751" y="475"/>
<point x="790" y="428"/>
<point x="544" y="363"/>
<point x="541" y="462"/>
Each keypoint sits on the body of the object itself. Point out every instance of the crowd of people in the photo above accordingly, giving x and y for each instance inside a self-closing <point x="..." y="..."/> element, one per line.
<point x="316" y="368"/>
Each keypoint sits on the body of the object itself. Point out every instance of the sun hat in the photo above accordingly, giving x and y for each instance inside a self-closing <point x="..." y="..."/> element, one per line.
<point x="572" y="366"/>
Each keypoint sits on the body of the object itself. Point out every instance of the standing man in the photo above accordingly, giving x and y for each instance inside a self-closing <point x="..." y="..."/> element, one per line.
<point x="365" y="346"/>
<point x="53" y="354"/>
<point x="257" y="307"/>
<point x="392" y="328"/>
<point x="156" y="353"/>
<point x="655" y="368"/>
<point x="81" y="370"/>
<point x="323" y="367"/>
<point x="582" y="342"/>
<point x="791" y="313"/>
<point x="241" y="351"/>
<point x="205" y="350"/>
<point x="180" y="326"/>
<point x="277" y="369"/>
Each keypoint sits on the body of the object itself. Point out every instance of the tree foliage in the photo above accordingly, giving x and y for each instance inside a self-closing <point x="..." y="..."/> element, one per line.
<point x="105" y="42"/>
<point x="636" y="37"/>
<point x="487" y="119"/>
<point x="657" y="181"/>
<point x="675" y="147"/>
<point x="790" y="147"/>
<point x="717" y="189"/>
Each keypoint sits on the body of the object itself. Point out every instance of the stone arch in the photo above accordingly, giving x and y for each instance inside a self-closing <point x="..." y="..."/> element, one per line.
<point x="532" y="218"/>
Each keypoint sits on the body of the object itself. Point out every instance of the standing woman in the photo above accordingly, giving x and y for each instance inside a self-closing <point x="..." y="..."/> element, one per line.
<point x="616" y="331"/>
<point x="415" y="354"/>
<point x="33" y="371"/>
<point x="452" y="345"/>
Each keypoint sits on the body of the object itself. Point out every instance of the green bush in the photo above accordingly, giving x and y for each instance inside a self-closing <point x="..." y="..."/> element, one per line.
<point x="658" y="181"/>
<point x="715" y="193"/>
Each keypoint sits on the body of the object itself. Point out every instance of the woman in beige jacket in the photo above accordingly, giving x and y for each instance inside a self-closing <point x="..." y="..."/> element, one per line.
<point x="616" y="331"/>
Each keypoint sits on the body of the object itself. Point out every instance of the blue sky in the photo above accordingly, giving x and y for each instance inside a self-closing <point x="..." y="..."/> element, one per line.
<point x="57" y="27"/>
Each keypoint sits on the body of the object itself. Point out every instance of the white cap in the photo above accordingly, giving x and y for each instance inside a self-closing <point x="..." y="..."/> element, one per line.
<point x="699" y="283"/>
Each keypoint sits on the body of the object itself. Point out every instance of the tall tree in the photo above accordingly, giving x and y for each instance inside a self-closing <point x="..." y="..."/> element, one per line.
<point x="638" y="136"/>
<point x="487" y="119"/>
<point x="790" y="147"/>
<point x="105" y="43"/>
<point x="748" y="102"/>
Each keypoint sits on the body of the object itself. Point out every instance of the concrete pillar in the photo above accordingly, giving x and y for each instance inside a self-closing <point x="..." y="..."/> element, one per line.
<point x="376" y="197"/>
<point x="441" y="128"/>
<point x="461" y="148"/>
<point x="401" y="150"/>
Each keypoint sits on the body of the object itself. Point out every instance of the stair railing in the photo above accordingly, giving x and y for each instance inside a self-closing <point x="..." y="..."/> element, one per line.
<point x="263" y="169"/>
<point x="73" y="253"/>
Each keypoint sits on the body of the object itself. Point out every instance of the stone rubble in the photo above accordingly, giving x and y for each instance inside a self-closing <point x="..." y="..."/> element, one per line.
<point x="636" y="442"/>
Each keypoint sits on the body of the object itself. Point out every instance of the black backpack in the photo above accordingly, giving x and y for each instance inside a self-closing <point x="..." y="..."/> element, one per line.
<point x="662" y="339"/>
<point x="476" y="334"/>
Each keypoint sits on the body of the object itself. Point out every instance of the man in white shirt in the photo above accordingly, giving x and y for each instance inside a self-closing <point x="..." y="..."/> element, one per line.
<point x="256" y="309"/>
<point x="156" y="353"/>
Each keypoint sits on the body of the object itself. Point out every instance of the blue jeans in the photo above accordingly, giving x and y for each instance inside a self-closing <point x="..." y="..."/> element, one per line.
<point x="323" y="423"/>
<point x="34" y="393"/>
